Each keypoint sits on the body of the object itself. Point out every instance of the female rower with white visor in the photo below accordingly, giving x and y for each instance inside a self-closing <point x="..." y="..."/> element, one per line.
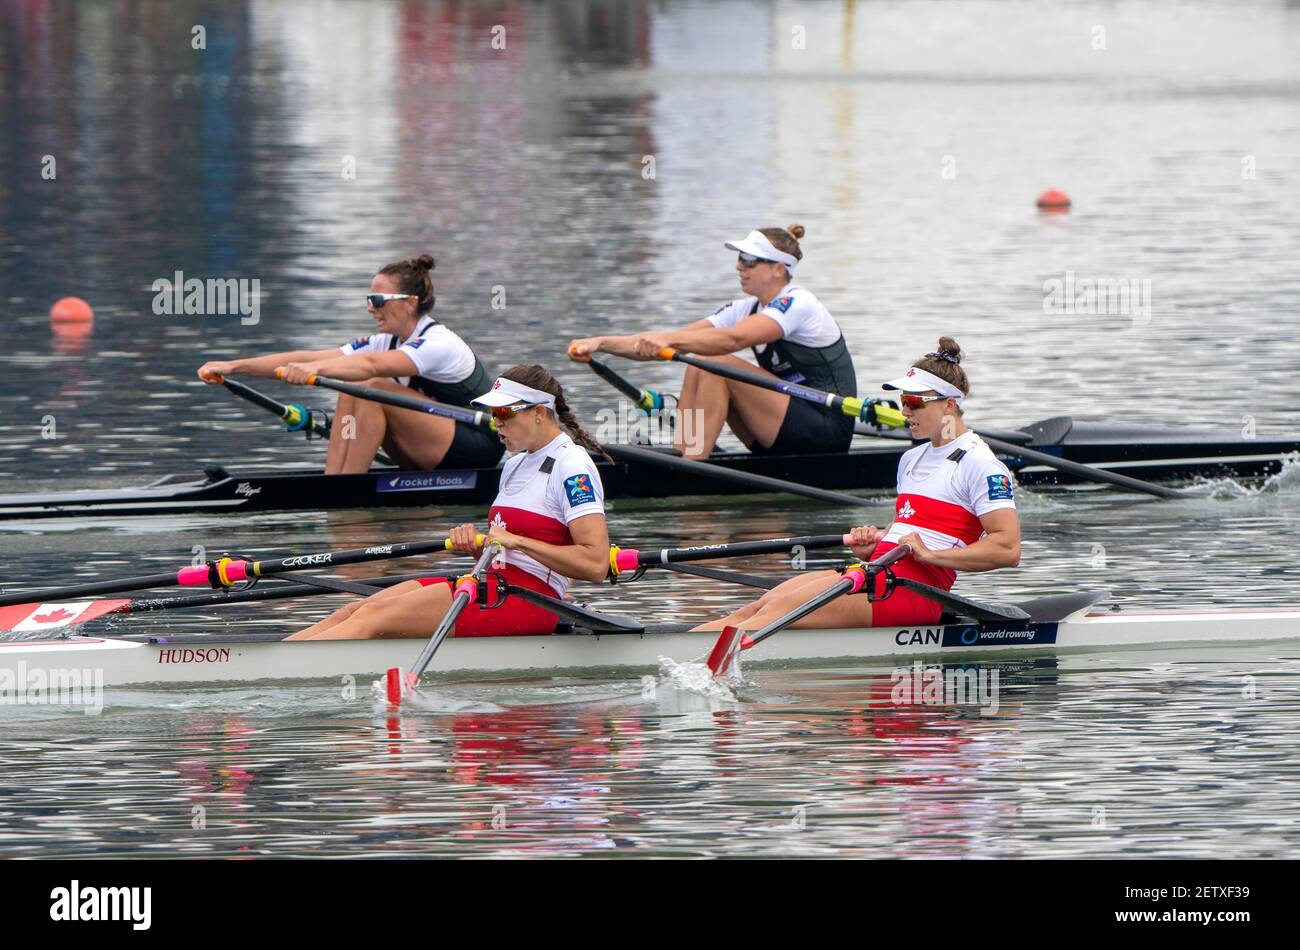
<point x="548" y="517"/>
<point x="955" y="509"/>
<point x="410" y="350"/>
<point x="793" y="337"/>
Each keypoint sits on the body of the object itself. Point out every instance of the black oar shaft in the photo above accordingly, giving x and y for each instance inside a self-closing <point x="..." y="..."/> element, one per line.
<point x="1087" y="472"/>
<point x="91" y="589"/>
<point x="630" y="559"/>
<point x="632" y="453"/>
<point x="270" y="592"/>
<point x="286" y="413"/>
<point x="849" y="405"/>
<point x="457" y="413"/>
<point x="644" y="399"/>
<point x="235" y="570"/>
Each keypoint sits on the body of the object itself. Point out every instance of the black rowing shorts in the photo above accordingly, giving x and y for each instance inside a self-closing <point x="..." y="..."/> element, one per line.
<point x="808" y="428"/>
<point x="472" y="447"/>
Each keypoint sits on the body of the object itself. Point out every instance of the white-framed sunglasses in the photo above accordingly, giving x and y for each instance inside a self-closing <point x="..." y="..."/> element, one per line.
<point x="378" y="300"/>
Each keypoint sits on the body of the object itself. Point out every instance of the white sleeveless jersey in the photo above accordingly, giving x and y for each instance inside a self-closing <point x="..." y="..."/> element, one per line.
<point x="943" y="491"/>
<point x="540" y="493"/>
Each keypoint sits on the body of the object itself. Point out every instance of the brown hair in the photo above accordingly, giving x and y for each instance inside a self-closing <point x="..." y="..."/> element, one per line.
<point x="944" y="364"/>
<point x="537" y="377"/>
<point x="786" y="240"/>
<point x="413" y="278"/>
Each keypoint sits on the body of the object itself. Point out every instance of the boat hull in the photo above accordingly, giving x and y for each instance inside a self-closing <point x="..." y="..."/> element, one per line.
<point x="1153" y="453"/>
<point x="197" y="659"/>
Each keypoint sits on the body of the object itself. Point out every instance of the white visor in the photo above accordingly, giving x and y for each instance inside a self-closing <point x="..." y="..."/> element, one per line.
<point x="506" y="392"/>
<point x="917" y="380"/>
<point x="757" y="244"/>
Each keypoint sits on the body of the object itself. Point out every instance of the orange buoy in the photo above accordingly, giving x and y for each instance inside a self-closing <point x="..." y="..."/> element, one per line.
<point x="71" y="310"/>
<point x="1053" y="200"/>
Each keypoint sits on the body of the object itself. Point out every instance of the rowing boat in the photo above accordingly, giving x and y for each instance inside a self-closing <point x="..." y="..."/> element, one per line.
<point x="1147" y="452"/>
<point x="1058" y="624"/>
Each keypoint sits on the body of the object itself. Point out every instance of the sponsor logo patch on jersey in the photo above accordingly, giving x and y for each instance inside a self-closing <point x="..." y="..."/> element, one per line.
<point x="999" y="488"/>
<point x="413" y="344"/>
<point x="782" y="303"/>
<point x="360" y="342"/>
<point x="579" y="490"/>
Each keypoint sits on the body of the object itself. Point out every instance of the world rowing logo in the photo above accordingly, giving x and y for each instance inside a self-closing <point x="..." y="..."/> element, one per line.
<point x="906" y="511"/>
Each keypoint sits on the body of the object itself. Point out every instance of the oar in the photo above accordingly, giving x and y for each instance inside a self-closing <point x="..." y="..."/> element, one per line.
<point x="629" y="453"/>
<point x="974" y="609"/>
<point x="851" y="405"/>
<point x="397" y="684"/>
<point x="877" y="412"/>
<point x="228" y="571"/>
<point x="855" y="576"/>
<point x="294" y="416"/>
<point x="36" y="617"/>
<point x="731" y="577"/>
<point x="622" y="560"/>
<point x="647" y="400"/>
<point x="636" y="453"/>
<point x="460" y="414"/>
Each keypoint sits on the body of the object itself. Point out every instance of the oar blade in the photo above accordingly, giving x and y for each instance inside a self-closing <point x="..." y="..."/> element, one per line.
<point x="397" y="685"/>
<point x="724" y="651"/>
<point x="26" y="618"/>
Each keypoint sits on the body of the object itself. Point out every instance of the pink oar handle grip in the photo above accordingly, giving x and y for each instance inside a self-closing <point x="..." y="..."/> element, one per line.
<point x="228" y="572"/>
<point x="859" y="577"/>
<point x="193" y="576"/>
<point x="467" y="584"/>
<point x="627" y="559"/>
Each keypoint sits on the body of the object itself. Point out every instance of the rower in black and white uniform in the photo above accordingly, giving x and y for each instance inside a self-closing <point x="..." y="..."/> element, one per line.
<point x="792" y="336"/>
<point x="410" y="350"/>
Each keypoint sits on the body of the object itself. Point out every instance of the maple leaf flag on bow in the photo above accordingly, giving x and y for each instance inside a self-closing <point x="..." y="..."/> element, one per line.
<point x="24" y="617"/>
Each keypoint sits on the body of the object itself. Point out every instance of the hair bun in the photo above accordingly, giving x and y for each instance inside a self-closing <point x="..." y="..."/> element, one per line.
<point x="424" y="262"/>
<point x="796" y="231"/>
<point x="949" y="350"/>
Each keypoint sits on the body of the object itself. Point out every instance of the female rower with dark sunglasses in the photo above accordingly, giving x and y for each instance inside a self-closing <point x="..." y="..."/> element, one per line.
<point x="410" y="350"/>
<point x="793" y="337"/>
<point x="548" y="517"/>
<point x="955" y="508"/>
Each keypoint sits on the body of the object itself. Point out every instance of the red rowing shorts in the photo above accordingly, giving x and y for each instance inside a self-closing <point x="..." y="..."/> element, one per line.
<point x="516" y="617"/>
<point x="904" y="608"/>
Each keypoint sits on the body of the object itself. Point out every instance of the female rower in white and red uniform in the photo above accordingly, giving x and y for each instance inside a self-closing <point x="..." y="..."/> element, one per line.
<point x="955" y="508"/>
<point x="410" y="350"/>
<point x="548" y="516"/>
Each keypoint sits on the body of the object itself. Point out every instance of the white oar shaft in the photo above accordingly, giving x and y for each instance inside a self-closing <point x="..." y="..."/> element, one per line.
<point x="464" y="592"/>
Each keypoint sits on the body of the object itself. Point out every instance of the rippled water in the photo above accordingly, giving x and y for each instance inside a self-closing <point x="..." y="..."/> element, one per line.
<point x="522" y="170"/>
